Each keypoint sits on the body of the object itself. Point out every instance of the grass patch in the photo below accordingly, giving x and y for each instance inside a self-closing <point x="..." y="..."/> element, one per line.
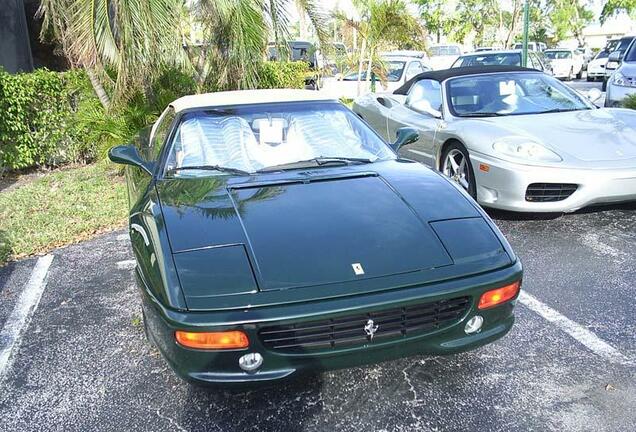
<point x="59" y="208"/>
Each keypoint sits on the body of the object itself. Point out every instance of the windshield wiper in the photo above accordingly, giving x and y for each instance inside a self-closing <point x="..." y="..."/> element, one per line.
<point x="319" y="161"/>
<point x="482" y="114"/>
<point x="558" y="110"/>
<point x="209" y="168"/>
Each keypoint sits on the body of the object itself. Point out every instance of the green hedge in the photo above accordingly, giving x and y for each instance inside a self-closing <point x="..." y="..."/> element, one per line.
<point x="273" y="75"/>
<point x="37" y="118"/>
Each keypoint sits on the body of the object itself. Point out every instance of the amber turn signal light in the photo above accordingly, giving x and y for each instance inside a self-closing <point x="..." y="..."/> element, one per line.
<point x="500" y="295"/>
<point x="213" y="340"/>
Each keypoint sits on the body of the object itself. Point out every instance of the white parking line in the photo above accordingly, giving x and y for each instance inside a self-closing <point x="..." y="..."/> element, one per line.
<point x="21" y="315"/>
<point x="577" y="331"/>
<point x="126" y="264"/>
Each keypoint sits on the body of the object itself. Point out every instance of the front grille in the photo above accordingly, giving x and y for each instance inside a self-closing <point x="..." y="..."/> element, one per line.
<point x="349" y="330"/>
<point x="549" y="192"/>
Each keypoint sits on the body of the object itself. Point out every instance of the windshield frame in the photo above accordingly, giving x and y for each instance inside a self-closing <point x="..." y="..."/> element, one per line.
<point x="162" y="168"/>
<point x="451" y="110"/>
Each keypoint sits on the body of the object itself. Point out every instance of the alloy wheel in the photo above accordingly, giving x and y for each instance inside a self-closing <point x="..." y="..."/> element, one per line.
<point x="456" y="168"/>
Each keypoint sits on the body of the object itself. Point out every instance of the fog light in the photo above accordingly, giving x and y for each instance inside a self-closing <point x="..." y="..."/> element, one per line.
<point x="250" y="362"/>
<point x="474" y="324"/>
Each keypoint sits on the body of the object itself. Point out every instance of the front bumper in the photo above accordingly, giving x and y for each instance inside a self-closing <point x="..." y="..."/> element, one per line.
<point x="596" y="73"/>
<point x="504" y="185"/>
<point x="222" y="368"/>
<point x="616" y="94"/>
<point x="561" y="74"/>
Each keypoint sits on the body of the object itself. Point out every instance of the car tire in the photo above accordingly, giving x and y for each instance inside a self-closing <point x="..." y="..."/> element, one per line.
<point x="454" y="150"/>
<point x="589" y="79"/>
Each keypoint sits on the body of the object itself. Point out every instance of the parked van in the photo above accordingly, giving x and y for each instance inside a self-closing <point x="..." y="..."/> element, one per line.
<point x="533" y="46"/>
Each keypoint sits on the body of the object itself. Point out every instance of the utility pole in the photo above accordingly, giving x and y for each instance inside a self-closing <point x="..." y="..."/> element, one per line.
<point x="526" y="24"/>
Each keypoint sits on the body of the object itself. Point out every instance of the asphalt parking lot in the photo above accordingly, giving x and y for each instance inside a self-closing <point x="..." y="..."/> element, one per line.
<point x="82" y="363"/>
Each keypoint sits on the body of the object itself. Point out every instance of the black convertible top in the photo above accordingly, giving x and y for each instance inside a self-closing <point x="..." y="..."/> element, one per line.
<point x="444" y="74"/>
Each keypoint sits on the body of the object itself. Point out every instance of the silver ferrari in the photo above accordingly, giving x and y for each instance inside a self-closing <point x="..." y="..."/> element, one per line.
<point x="514" y="138"/>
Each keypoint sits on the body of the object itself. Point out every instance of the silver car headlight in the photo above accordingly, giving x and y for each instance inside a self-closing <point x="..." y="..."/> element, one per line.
<point x="620" y="80"/>
<point x="524" y="149"/>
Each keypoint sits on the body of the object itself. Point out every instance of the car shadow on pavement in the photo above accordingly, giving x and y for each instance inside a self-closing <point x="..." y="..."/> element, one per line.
<point x="265" y="407"/>
<point x="497" y="214"/>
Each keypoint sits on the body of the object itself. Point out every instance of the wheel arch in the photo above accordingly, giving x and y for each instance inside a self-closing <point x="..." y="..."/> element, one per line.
<point x="442" y="149"/>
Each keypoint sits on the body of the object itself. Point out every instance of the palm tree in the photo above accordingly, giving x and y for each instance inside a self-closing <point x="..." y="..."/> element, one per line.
<point x="381" y="23"/>
<point x="238" y="32"/>
<point x="121" y="44"/>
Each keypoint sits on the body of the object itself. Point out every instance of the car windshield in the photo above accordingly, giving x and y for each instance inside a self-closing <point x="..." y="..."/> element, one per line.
<point x="444" y="50"/>
<point x="510" y="93"/>
<point x="491" y="59"/>
<point x="394" y="71"/>
<point x="601" y="55"/>
<point x="254" y="137"/>
<point x="623" y="44"/>
<point x="558" y="55"/>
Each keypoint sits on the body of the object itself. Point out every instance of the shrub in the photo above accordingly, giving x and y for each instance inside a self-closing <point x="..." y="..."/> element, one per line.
<point x="273" y="75"/>
<point x="630" y="102"/>
<point x="37" y="125"/>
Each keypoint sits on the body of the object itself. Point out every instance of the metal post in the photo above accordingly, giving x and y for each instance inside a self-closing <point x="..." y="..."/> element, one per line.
<point x="526" y="24"/>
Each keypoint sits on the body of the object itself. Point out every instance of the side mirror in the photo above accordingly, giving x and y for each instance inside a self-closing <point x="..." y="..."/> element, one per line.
<point x="405" y="135"/>
<point x="128" y="155"/>
<point x="423" y="106"/>
<point x="615" y="56"/>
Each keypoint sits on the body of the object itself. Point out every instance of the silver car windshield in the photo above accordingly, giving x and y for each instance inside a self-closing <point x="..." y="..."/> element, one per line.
<point x="516" y="93"/>
<point x="393" y="72"/>
<point x="490" y="59"/>
<point x="253" y="138"/>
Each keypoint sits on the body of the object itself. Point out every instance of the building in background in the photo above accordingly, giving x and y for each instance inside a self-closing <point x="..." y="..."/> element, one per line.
<point x="15" y="47"/>
<point x="20" y="47"/>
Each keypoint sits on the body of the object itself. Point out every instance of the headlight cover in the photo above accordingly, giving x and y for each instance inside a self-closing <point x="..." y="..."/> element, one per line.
<point x="620" y="80"/>
<point x="521" y="148"/>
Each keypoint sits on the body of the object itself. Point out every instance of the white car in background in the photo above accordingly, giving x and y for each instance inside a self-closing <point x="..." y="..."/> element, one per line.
<point x="596" y="66"/>
<point x="399" y="70"/>
<point x="532" y="46"/>
<point x="443" y="56"/>
<point x="566" y="63"/>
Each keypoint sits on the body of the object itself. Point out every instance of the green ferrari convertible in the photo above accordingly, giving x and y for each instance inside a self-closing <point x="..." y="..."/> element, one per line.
<point x="276" y="233"/>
